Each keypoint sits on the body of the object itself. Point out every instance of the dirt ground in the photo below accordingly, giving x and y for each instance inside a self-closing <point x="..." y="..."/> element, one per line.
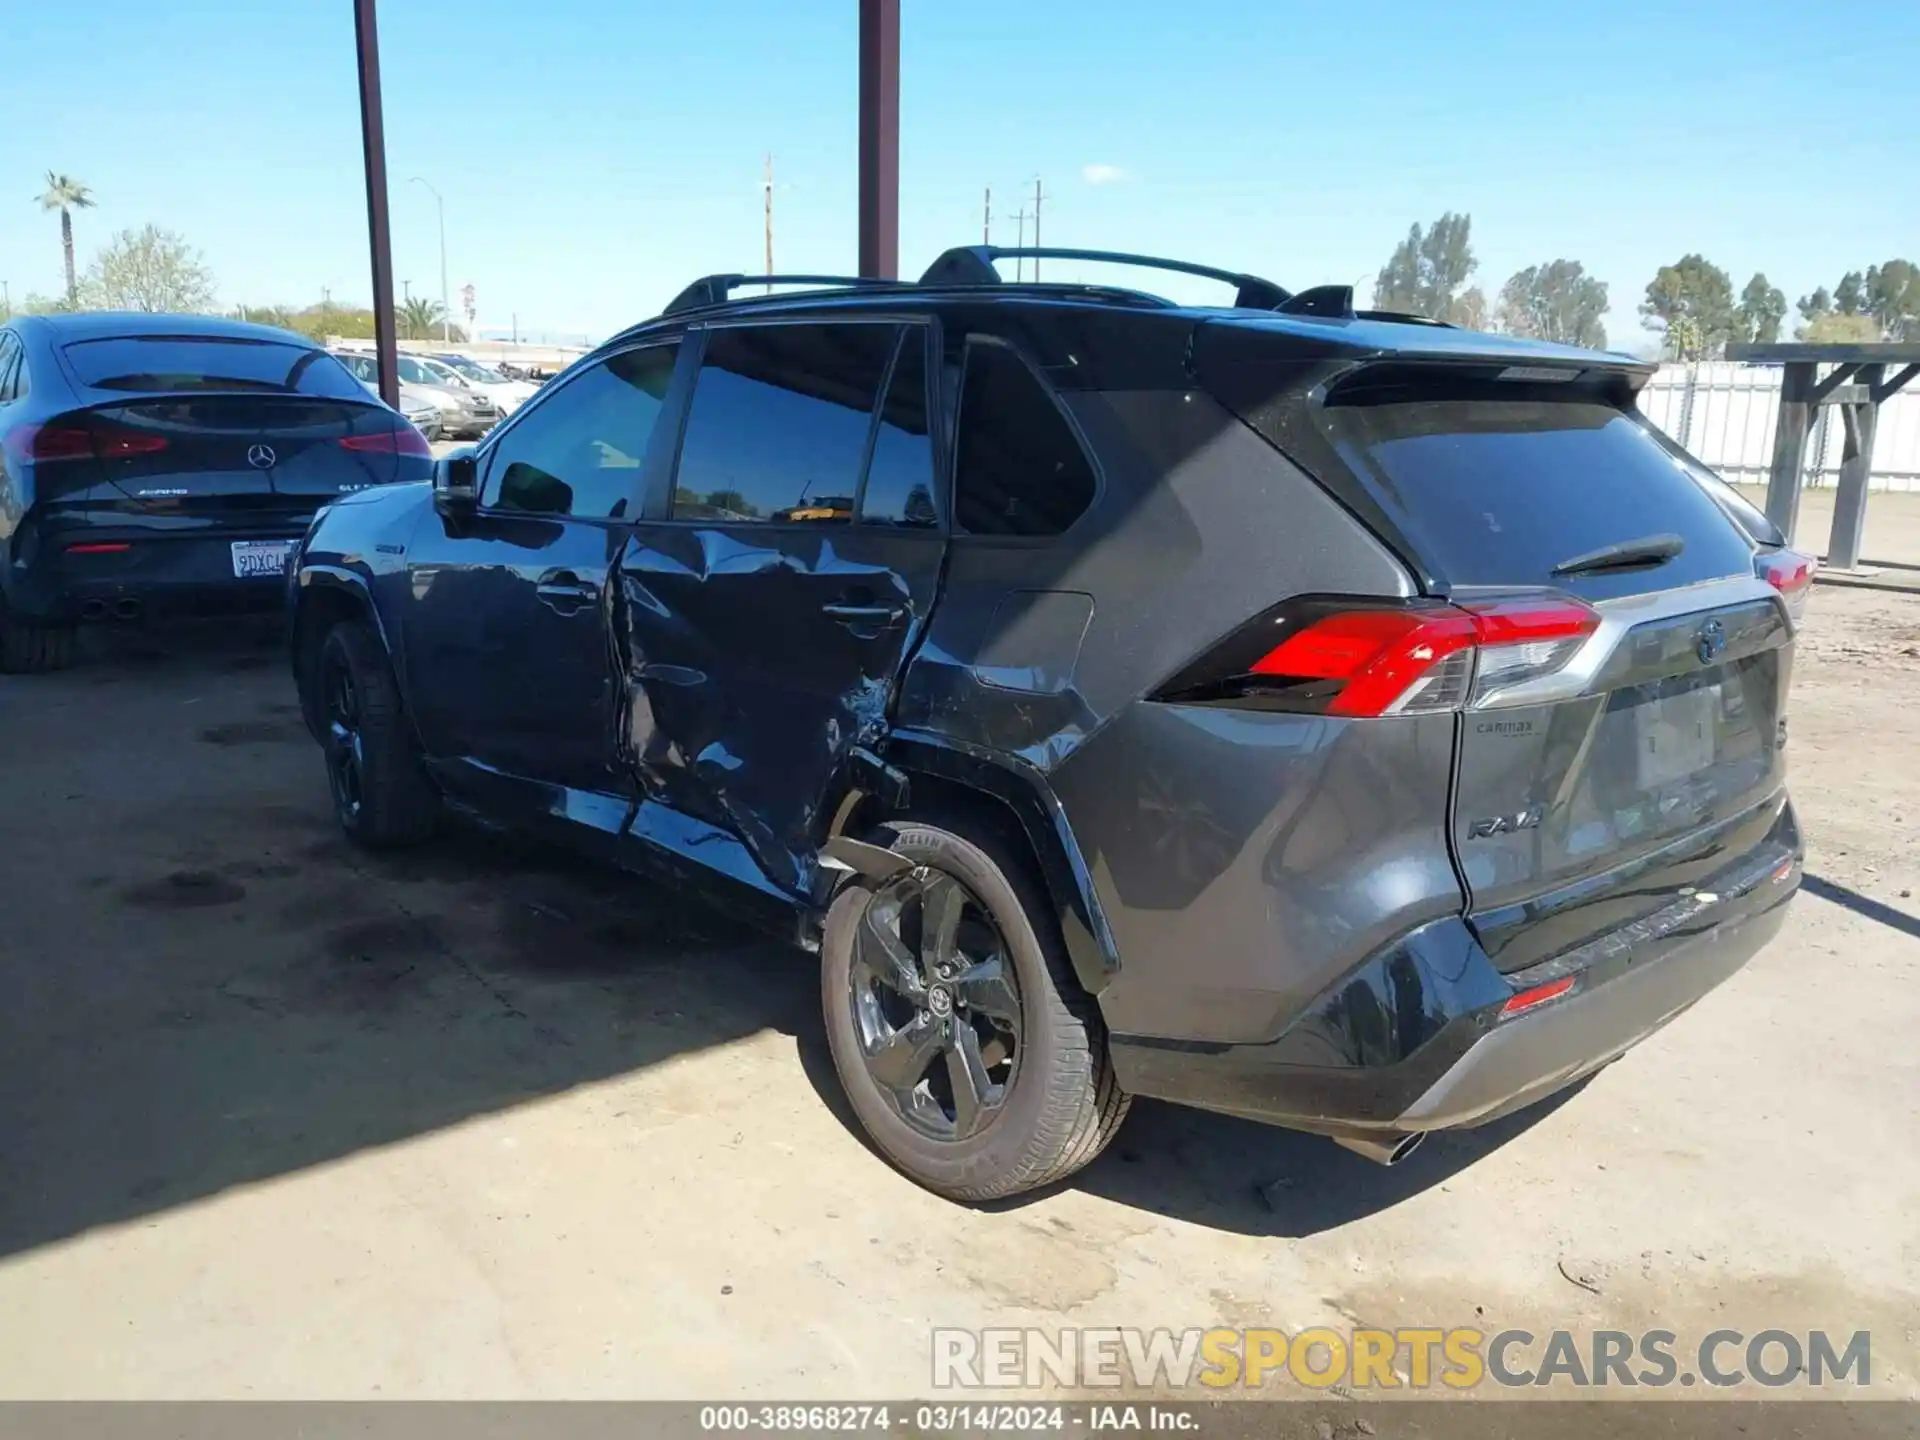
<point x="278" y="1119"/>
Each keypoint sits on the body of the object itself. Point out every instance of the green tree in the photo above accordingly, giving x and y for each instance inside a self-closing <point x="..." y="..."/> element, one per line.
<point x="151" y="270"/>
<point x="1849" y="296"/>
<point x="65" y="194"/>
<point x="1697" y="291"/>
<point x="1893" y="298"/>
<point x="1761" y="310"/>
<point x="1812" y="307"/>
<point x="419" y="318"/>
<point x="1429" y="269"/>
<point x="1837" y="329"/>
<point x="1555" y="301"/>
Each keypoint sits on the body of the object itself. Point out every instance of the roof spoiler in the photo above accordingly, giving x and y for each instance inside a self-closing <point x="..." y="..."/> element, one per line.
<point x="973" y="265"/>
<point x="714" y="289"/>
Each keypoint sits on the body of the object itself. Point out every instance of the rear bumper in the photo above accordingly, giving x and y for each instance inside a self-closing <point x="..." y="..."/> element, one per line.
<point x="157" y="575"/>
<point x="1416" y="1039"/>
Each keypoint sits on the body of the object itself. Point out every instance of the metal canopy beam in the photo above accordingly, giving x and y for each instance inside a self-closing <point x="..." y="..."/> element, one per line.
<point x="880" y="138"/>
<point x="373" y="143"/>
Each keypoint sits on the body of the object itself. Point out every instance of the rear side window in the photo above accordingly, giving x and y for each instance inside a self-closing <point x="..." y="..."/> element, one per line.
<point x="778" y="426"/>
<point x="1502" y="491"/>
<point x="900" y="476"/>
<point x="578" y="451"/>
<point x="158" y="363"/>
<point x="1020" y="469"/>
<point x="13" y="370"/>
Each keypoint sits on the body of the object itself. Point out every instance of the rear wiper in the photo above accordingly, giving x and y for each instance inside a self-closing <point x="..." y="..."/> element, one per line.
<point x="1624" y="555"/>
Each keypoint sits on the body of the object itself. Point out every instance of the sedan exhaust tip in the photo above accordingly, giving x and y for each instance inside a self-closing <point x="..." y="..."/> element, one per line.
<point x="1384" y="1149"/>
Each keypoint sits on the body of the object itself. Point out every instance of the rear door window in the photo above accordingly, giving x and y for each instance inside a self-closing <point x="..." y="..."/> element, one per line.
<point x="778" y="427"/>
<point x="159" y="363"/>
<point x="1019" y="469"/>
<point x="1500" y="492"/>
<point x="899" y="489"/>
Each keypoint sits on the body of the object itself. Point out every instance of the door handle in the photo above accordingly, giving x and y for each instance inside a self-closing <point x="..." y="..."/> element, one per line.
<point x="849" y="614"/>
<point x="564" y="589"/>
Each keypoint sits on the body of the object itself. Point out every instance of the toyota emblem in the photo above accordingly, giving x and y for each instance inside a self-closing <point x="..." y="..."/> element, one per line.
<point x="1711" y="641"/>
<point x="261" y="457"/>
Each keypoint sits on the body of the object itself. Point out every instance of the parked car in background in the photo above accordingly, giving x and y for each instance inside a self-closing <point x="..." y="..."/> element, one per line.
<point x="168" y="463"/>
<point x="420" y="411"/>
<point x="1331" y="718"/>
<point x="465" y="414"/>
<point x="507" y="393"/>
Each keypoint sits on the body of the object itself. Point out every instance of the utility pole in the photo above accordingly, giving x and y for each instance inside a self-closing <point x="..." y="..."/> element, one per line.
<point x="986" y="220"/>
<point x="406" y="291"/>
<point x="6" y="300"/>
<point x="1037" y="198"/>
<point x="1020" y="261"/>
<point x="446" y="298"/>
<point x="373" y="150"/>
<point x="769" y="185"/>
<point x="516" y="327"/>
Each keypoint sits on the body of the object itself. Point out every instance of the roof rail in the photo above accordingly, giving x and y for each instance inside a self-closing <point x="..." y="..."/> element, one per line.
<point x="714" y="289"/>
<point x="1404" y="317"/>
<point x="973" y="265"/>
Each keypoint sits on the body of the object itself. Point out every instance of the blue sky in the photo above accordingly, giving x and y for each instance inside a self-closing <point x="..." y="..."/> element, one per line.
<point x="595" y="155"/>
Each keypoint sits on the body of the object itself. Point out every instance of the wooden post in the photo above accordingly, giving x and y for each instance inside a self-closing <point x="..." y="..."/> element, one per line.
<point x="1856" y="466"/>
<point x="1790" y="446"/>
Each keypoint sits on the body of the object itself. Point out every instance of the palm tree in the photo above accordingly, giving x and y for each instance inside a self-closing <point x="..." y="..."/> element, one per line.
<point x="67" y="195"/>
<point x="418" y="317"/>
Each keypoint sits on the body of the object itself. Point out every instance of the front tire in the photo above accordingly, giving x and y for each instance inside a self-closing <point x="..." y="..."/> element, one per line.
<point x="971" y="1056"/>
<point x="32" y="647"/>
<point x="381" y="795"/>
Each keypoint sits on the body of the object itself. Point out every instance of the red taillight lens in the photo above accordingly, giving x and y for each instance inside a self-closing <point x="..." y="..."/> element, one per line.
<point x="404" y="441"/>
<point x="117" y="442"/>
<point x="100" y="548"/>
<point x="57" y="442"/>
<point x="1539" y="995"/>
<point x="1409" y="660"/>
<point x="1791" y="573"/>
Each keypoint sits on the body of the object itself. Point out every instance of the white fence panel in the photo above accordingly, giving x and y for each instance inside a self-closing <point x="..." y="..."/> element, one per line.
<point x="1725" y="413"/>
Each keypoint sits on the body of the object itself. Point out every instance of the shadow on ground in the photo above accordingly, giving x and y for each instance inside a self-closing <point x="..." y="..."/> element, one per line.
<point x="203" y="986"/>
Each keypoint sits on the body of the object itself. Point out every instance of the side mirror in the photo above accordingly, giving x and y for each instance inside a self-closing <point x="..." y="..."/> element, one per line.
<point x="456" y="483"/>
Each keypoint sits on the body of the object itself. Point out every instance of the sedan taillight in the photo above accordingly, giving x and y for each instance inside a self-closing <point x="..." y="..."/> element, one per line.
<point x="404" y="441"/>
<point x="1791" y="573"/>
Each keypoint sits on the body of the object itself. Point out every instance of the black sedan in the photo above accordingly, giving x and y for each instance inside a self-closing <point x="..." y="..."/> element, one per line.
<point x="168" y="464"/>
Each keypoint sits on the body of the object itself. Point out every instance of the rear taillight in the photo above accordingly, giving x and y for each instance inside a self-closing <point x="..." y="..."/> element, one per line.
<point x="404" y="441"/>
<point x="57" y="442"/>
<point x="82" y="442"/>
<point x="1791" y="573"/>
<point x="1358" y="659"/>
<point x="100" y="547"/>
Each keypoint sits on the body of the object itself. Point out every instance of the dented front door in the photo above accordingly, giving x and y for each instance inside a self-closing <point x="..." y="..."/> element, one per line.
<point x="767" y="619"/>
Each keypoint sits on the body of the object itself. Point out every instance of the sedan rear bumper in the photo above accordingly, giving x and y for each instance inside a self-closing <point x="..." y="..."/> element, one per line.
<point x="1424" y="1036"/>
<point x="155" y="575"/>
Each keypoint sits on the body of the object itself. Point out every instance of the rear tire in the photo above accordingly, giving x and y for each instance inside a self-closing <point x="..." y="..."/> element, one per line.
<point x="32" y="647"/>
<point x="1056" y="1102"/>
<point x="381" y="795"/>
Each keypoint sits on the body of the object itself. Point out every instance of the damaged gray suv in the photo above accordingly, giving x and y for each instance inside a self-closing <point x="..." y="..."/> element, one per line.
<point x="1328" y="717"/>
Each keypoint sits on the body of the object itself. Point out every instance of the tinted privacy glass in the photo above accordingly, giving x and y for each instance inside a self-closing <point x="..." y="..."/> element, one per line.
<point x="11" y="370"/>
<point x="578" y="452"/>
<point x="163" y="362"/>
<point x="1020" y="469"/>
<point x="1501" y="492"/>
<point x="779" y="423"/>
<point x="900" y="477"/>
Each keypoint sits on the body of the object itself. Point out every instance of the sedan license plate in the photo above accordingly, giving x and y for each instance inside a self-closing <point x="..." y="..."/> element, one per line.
<point x="1677" y="735"/>
<point x="255" y="558"/>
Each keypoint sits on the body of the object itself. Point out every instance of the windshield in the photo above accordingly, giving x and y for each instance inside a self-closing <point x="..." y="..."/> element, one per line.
<point x="205" y="362"/>
<point x="474" y="370"/>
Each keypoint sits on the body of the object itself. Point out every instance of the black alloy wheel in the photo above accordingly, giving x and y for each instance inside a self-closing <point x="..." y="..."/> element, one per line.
<point x="936" y="1005"/>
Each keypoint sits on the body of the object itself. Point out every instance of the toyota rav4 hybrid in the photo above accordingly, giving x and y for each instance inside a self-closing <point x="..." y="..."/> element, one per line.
<point x="168" y="463"/>
<point x="1337" y="719"/>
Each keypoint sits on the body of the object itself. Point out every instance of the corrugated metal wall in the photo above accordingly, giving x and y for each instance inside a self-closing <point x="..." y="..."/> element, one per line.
<point x="1725" y="413"/>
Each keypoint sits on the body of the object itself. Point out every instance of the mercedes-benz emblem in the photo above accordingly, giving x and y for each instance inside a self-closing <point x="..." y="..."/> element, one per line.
<point x="261" y="457"/>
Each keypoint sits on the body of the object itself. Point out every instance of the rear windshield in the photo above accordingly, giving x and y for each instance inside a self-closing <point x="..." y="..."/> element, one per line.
<point x="149" y="363"/>
<point x="1499" y="492"/>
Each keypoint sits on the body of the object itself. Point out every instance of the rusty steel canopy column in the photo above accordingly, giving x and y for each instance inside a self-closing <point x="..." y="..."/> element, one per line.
<point x="373" y="143"/>
<point x="880" y="138"/>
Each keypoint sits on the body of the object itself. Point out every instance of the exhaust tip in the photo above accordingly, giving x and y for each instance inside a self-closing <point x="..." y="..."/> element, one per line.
<point x="128" y="609"/>
<point x="93" y="609"/>
<point x="1386" y="1149"/>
